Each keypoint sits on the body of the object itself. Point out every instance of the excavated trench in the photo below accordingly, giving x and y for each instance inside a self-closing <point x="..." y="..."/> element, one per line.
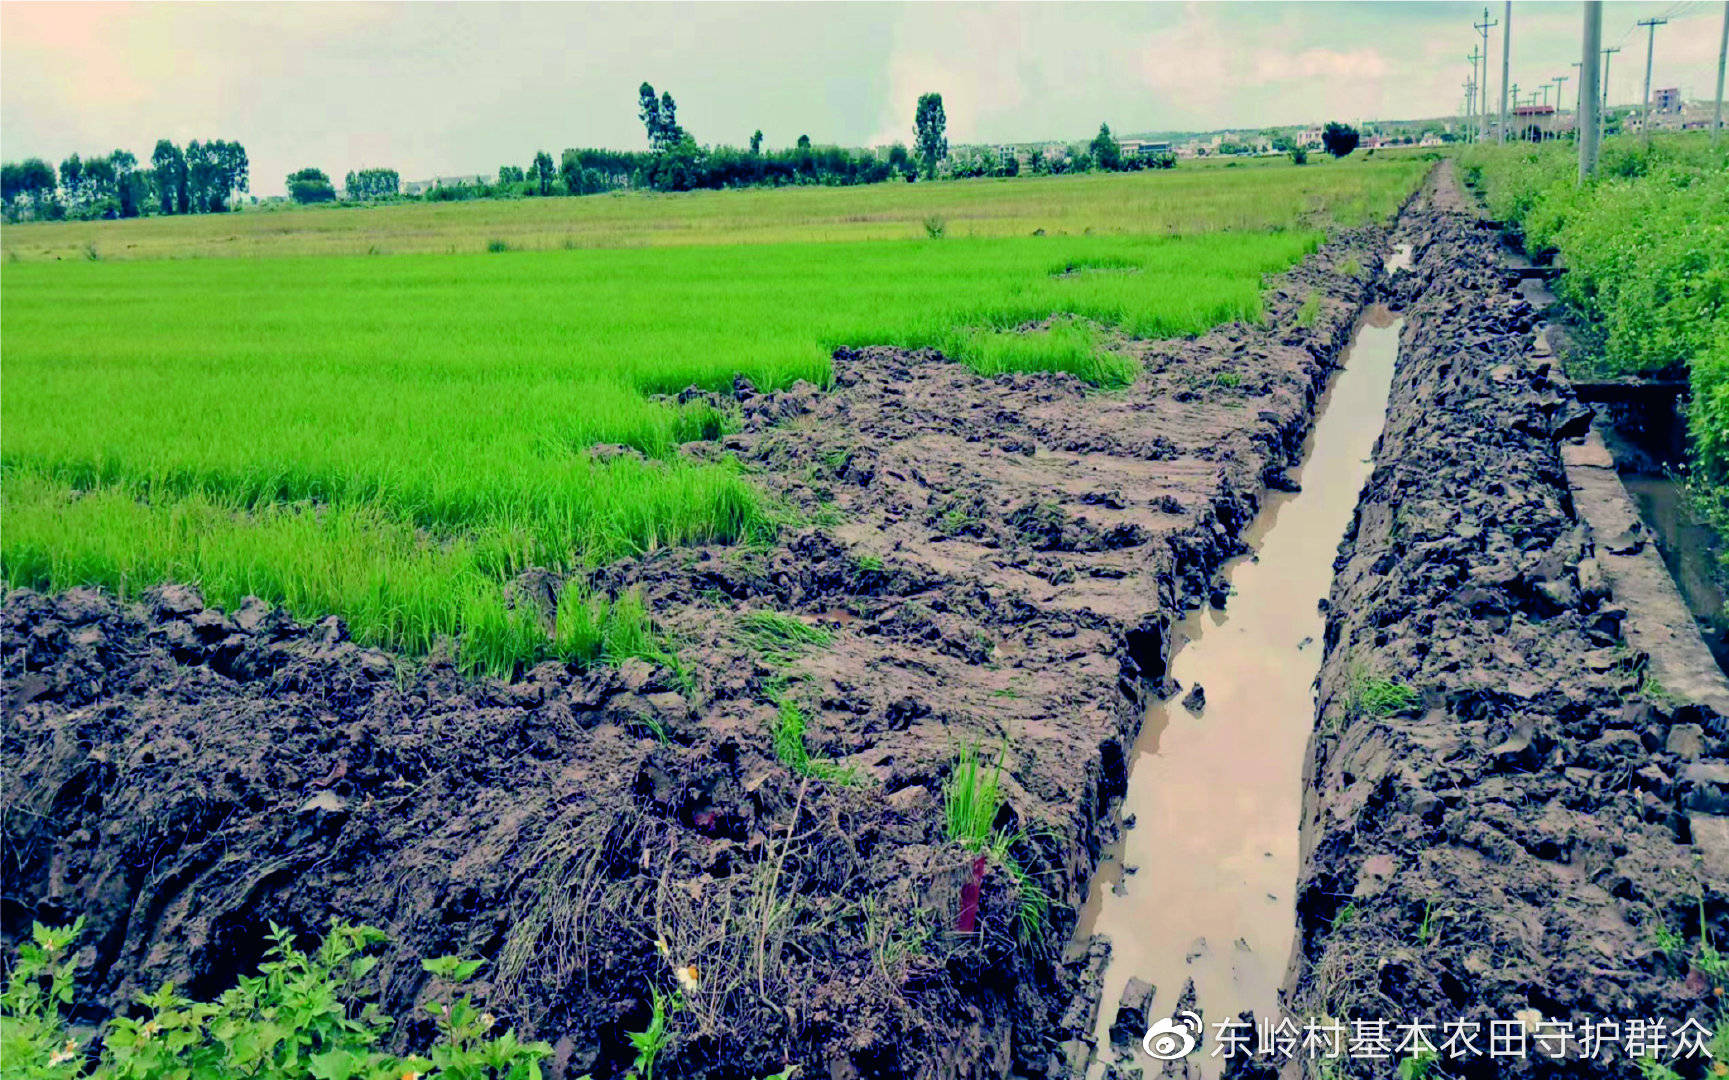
<point x="1471" y="788"/>
<point x="1196" y="897"/>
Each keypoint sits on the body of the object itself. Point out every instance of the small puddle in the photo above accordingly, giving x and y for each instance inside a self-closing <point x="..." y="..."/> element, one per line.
<point x="1217" y="798"/>
<point x="1400" y="259"/>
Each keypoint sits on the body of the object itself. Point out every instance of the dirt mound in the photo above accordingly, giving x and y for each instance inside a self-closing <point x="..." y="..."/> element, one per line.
<point x="1500" y="809"/>
<point x="984" y="561"/>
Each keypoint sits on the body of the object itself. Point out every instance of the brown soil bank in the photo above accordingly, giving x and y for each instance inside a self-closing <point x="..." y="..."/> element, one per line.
<point x="1012" y="552"/>
<point x="1501" y="812"/>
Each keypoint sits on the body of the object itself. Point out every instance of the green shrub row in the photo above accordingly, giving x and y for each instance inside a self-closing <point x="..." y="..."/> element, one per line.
<point x="1645" y="243"/>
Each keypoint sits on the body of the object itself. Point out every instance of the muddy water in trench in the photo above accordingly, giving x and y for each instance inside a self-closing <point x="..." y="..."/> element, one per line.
<point x="1201" y="887"/>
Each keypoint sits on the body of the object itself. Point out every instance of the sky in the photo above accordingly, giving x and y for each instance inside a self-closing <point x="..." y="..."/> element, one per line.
<point x="454" y="88"/>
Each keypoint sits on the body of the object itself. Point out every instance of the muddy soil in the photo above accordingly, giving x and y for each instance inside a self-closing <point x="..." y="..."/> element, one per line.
<point x="999" y="561"/>
<point x="1533" y="833"/>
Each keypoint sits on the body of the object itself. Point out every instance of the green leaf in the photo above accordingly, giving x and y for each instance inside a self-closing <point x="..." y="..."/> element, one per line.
<point x="336" y="1064"/>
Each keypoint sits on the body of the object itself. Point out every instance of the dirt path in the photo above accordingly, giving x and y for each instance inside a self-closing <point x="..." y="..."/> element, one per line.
<point x="1511" y="839"/>
<point x="1000" y="565"/>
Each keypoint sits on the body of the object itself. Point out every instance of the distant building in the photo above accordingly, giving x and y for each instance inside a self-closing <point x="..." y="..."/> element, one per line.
<point x="1666" y="100"/>
<point x="1534" y="123"/>
<point x="1143" y="148"/>
<point x="421" y="187"/>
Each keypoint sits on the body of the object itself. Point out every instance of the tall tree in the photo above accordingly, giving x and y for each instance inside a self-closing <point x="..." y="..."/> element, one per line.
<point x="1339" y="139"/>
<point x="201" y="170"/>
<point x="544" y="173"/>
<point x="72" y="181"/>
<point x="670" y="132"/>
<point x="1107" y="153"/>
<point x="130" y="186"/>
<point x="236" y="169"/>
<point x="756" y="141"/>
<point x="648" y="111"/>
<point x="930" y="128"/>
<point x="310" y="185"/>
<point x="36" y="181"/>
<point x="101" y="187"/>
<point x="169" y="165"/>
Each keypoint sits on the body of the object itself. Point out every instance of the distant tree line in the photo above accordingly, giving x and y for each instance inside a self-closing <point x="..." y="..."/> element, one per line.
<point x="372" y="184"/>
<point x="205" y="176"/>
<point x="201" y="179"/>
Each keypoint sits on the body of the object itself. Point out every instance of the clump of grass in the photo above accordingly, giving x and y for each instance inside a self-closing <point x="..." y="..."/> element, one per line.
<point x="781" y="638"/>
<point x="936" y="227"/>
<point x="1310" y="312"/>
<point x="496" y="246"/>
<point x="1344" y="916"/>
<point x="1351" y="267"/>
<point x="972" y="799"/>
<point x="1376" y="696"/>
<point x="588" y="626"/>
<point x="789" y="747"/>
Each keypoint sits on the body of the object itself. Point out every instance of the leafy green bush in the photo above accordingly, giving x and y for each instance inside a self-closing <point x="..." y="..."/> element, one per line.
<point x="1646" y="247"/>
<point x="299" y="1017"/>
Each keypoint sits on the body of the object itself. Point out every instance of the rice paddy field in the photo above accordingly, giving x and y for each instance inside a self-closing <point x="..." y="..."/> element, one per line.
<point x="395" y="437"/>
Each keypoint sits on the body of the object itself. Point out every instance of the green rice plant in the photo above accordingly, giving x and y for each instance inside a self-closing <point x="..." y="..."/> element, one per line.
<point x="972" y="798"/>
<point x="1429" y="930"/>
<point x="394" y="439"/>
<point x="1372" y="695"/>
<point x="788" y="730"/>
<point x="781" y="638"/>
<point x="1310" y="312"/>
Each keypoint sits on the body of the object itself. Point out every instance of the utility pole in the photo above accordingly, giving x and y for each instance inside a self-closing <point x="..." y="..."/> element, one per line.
<point x="1722" y="55"/>
<point x="1545" y="95"/>
<point x="1650" y="43"/>
<point x="1603" y="113"/>
<point x="1560" y="81"/>
<point x="1476" y="120"/>
<point x="1506" y="57"/>
<point x="1470" y="88"/>
<point x="1579" y="88"/>
<point x="1483" y="28"/>
<point x="1588" y="120"/>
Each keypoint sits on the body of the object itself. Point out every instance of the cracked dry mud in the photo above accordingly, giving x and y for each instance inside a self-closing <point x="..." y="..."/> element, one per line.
<point x="1007" y="556"/>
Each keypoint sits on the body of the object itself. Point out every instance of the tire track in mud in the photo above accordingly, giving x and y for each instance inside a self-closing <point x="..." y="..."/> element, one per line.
<point x="1498" y="822"/>
<point x="1002" y="563"/>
